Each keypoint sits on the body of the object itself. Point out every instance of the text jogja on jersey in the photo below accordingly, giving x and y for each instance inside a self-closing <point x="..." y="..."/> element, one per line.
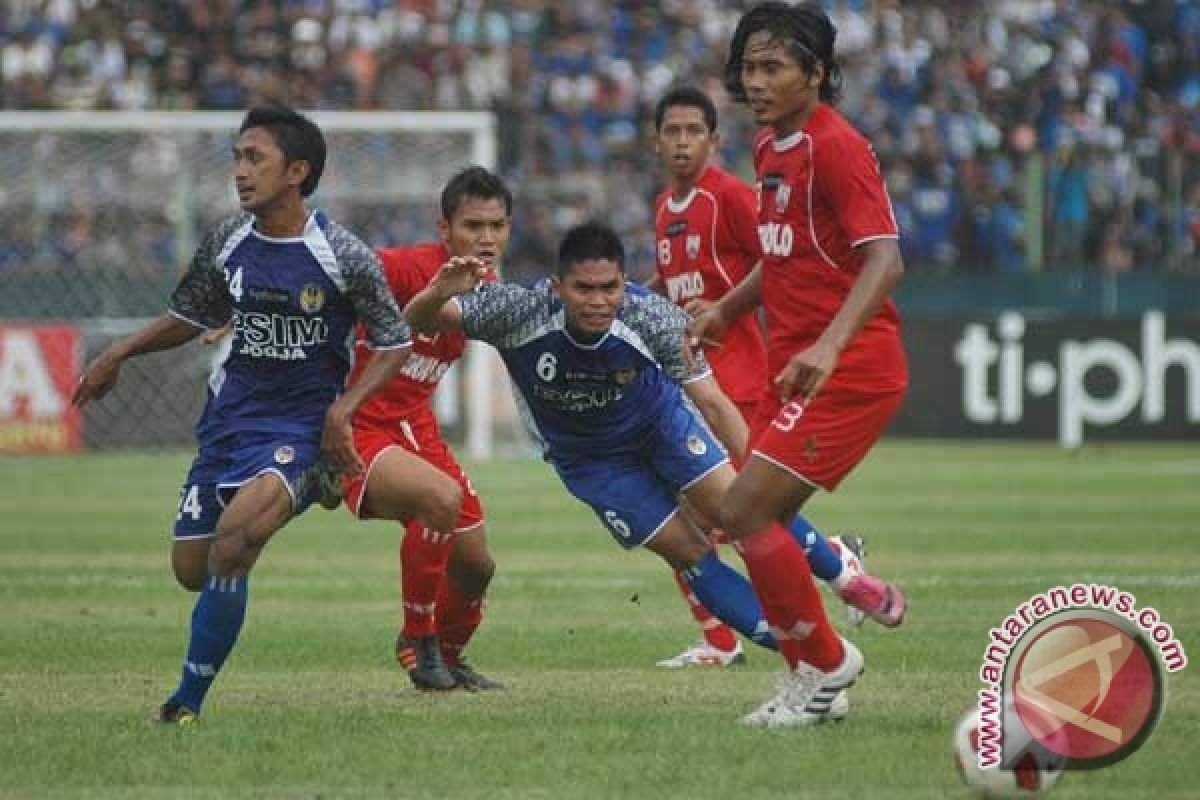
<point x="279" y="336"/>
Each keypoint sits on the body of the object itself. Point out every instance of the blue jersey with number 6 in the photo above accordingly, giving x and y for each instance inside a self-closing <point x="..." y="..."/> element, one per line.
<point x="579" y="396"/>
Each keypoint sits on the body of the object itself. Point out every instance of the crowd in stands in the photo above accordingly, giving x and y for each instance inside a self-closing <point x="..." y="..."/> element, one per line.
<point x="1016" y="136"/>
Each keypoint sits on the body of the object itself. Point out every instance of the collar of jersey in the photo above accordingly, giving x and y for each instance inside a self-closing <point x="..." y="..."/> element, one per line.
<point x="789" y="141"/>
<point x="582" y="346"/>
<point x="678" y="207"/>
<point x="308" y="225"/>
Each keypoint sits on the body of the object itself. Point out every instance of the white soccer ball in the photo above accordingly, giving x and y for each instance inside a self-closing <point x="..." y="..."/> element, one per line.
<point x="1033" y="775"/>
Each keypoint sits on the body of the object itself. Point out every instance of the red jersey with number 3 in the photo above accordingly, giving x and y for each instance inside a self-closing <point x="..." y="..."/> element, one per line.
<point x="707" y="243"/>
<point x="820" y="196"/>
<point x="409" y="270"/>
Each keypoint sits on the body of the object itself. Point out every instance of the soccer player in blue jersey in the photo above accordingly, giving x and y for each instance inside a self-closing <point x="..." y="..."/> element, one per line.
<point x="602" y="382"/>
<point x="293" y="283"/>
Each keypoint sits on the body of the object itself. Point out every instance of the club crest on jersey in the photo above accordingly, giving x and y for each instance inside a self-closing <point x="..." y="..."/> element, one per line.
<point x="696" y="445"/>
<point x="285" y="454"/>
<point x="782" y="195"/>
<point x="624" y="376"/>
<point x="693" y="245"/>
<point x="312" y="298"/>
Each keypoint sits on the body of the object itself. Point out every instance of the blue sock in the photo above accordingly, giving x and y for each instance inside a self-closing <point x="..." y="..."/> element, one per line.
<point x="730" y="598"/>
<point x="216" y="621"/>
<point x="822" y="559"/>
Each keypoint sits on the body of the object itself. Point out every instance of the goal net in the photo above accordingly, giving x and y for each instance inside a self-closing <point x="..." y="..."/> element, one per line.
<point x="100" y="213"/>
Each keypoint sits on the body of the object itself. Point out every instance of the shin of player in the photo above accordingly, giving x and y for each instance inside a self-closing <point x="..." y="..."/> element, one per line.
<point x="274" y="406"/>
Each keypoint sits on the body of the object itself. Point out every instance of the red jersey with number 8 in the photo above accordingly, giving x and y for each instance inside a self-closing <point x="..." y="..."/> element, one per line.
<point x="706" y="244"/>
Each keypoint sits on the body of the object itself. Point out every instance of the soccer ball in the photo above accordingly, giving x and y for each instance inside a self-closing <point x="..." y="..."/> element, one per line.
<point x="1033" y="775"/>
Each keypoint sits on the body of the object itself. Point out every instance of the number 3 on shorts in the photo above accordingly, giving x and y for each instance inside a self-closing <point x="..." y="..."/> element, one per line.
<point x="617" y="524"/>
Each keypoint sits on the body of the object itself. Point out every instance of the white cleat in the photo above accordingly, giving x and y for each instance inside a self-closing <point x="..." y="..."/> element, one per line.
<point x="853" y="552"/>
<point x="808" y="696"/>
<point x="703" y="654"/>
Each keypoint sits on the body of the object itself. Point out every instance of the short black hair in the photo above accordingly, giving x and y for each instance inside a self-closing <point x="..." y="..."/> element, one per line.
<point x="690" y="97"/>
<point x="478" y="182"/>
<point x="589" y="241"/>
<point x="804" y="30"/>
<point x="296" y="135"/>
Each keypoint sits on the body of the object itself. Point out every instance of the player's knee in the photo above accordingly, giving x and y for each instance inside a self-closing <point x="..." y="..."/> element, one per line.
<point x="442" y="506"/>
<point x="189" y="577"/>
<point x="741" y="516"/>
<point x="228" y="554"/>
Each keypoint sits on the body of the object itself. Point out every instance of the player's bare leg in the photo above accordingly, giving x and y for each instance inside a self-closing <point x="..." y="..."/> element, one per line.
<point x="403" y="486"/>
<point x="461" y="604"/>
<point x="258" y="509"/>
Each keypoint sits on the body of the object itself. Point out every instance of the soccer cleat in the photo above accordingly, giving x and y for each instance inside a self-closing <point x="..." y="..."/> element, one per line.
<point x="422" y="657"/>
<point x="882" y="601"/>
<point x="852" y="550"/>
<point x="703" y="654"/>
<point x="466" y="677"/>
<point x="808" y="696"/>
<point x="172" y="713"/>
<point x="329" y="486"/>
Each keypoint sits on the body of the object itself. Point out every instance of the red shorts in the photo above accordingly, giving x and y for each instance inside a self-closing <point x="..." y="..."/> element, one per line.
<point x="417" y="433"/>
<point x="822" y="441"/>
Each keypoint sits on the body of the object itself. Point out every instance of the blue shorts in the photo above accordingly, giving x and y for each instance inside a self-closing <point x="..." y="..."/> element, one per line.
<point x="224" y="465"/>
<point x="633" y="491"/>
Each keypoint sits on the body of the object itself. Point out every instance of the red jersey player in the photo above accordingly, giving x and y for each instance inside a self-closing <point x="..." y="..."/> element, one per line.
<point x="444" y="570"/>
<point x="830" y="261"/>
<point x="706" y="230"/>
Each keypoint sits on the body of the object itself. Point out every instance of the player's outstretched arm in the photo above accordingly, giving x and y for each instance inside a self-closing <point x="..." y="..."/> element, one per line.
<point x="164" y="333"/>
<point x="430" y="310"/>
<point x="720" y="413"/>
<point x="807" y="370"/>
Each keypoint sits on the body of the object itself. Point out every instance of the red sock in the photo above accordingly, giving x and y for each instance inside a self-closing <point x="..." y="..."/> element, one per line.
<point x="423" y="557"/>
<point x="458" y="617"/>
<point x="716" y="633"/>
<point x="790" y="600"/>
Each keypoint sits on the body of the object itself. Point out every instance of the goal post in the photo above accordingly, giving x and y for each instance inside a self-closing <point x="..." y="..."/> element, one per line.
<point x="101" y="211"/>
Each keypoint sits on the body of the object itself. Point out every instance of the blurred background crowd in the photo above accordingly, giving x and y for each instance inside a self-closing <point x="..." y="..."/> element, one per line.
<point x="1016" y="136"/>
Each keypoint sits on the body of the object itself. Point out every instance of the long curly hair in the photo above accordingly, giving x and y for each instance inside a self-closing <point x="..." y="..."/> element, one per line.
<point x="805" y="30"/>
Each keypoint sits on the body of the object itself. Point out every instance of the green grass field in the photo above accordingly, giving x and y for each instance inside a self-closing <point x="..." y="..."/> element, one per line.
<point x="311" y="705"/>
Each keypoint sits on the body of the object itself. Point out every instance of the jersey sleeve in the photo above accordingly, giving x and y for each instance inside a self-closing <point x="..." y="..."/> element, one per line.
<point x="496" y="313"/>
<point x="847" y="174"/>
<point x="368" y="292"/>
<point x="662" y="325"/>
<point x="740" y="209"/>
<point x="202" y="296"/>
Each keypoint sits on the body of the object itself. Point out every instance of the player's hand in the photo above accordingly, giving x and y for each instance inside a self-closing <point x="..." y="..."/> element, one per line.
<point x="216" y="334"/>
<point x="459" y="275"/>
<point x="806" y="372"/>
<point x="337" y="442"/>
<point x="97" y="380"/>
<point x="705" y="330"/>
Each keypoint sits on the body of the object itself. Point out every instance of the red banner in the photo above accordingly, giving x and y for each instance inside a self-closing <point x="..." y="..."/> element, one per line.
<point x="39" y="365"/>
